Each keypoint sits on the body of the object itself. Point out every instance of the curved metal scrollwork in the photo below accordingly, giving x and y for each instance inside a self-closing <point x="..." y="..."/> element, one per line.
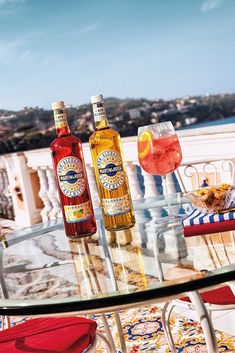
<point x="193" y="172"/>
<point x="217" y="169"/>
<point x="206" y="169"/>
<point x="228" y="166"/>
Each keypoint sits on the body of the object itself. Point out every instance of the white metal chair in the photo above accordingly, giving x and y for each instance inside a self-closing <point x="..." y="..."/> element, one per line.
<point x="191" y="176"/>
<point x="211" y="301"/>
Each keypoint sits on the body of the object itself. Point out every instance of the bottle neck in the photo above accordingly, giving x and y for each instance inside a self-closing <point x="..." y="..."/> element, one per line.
<point x="102" y="123"/>
<point x="100" y="116"/>
<point x="61" y="122"/>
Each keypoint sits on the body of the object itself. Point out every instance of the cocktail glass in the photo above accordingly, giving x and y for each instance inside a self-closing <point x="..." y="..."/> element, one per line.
<point x="159" y="153"/>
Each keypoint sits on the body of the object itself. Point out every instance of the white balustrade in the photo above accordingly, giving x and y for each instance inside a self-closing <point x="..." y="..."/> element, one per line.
<point x="2" y="187"/>
<point x="6" y="205"/>
<point x="5" y="209"/>
<point x="92" y="185"/>
<point x="208" y="150"/>
<point x="149" y="185"/>
<point x="134" y="183"/>
<point x="53" y="196"/>
<point x="43" y="193"/>
<point x="41" y="162"/>
<point x="9" y="211"/>
<point x="170" y="184"/>
<point x="21" y="189"/>
<point x="3" y="199"/>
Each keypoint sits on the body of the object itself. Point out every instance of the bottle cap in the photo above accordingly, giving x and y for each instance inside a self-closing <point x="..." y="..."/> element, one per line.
<point x="97" y="99"/>
<point x="58" y="105"/>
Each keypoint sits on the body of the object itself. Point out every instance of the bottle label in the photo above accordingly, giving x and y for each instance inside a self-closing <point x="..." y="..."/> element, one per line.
<point x="71" y="176"/>
<point x="60" y="120"/>
<point x="117" y="206"/>
<point x="99" y="112"/>
<point x="78" y="213"/>
<point x="110" y="169"/>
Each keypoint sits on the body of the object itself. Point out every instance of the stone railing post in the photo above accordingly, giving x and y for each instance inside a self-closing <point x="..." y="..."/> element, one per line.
<point x="170" y="185"/>
<point x="6" y="205"/>
<point x="3" y="199"/>
<point x="6" y="194"/>
<point x="92" y="186"/>
<point x="53" y="195"/>
<point x="134" y="184"/>
<point x="21" y="190"/>
<point x="150" y="185"/>
<point x="43" y="193"/>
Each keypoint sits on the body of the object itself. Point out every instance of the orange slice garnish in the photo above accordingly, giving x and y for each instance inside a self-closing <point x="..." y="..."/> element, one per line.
<point x="144" y="143"/>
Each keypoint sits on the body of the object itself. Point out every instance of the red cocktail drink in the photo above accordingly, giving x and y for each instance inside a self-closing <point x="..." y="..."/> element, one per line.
<point x="159" y="153"/>
<point x="160" y="156"/>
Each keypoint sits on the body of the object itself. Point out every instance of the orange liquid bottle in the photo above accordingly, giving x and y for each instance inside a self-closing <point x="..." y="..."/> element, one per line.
<point x="110" y="172"/>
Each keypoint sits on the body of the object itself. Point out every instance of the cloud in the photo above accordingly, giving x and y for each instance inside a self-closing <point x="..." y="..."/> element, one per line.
<point x="11" y="50"/>
<point x="33" y="35"/>
<point x="3" y="2"/>
<point x="18" y="50"/>
<point x="208" y="5"/>
<point x="90" y="28"/>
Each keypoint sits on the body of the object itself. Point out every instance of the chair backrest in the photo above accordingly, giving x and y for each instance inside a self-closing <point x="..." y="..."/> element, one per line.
<point x="192" y="176"/>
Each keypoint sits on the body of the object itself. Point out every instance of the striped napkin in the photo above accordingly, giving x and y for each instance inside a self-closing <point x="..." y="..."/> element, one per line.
<point x="198" y="223"/>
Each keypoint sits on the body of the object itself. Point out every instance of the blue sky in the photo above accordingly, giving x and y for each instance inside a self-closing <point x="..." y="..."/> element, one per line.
<point x="70" y="50"/>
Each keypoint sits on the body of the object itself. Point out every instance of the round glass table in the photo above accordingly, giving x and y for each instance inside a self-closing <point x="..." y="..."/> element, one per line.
<point x="43" y="272"/>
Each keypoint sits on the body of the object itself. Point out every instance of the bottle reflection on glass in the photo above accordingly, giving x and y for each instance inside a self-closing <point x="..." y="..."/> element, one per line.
<point x="127" y="270"/>
<point x="89" y="267"/>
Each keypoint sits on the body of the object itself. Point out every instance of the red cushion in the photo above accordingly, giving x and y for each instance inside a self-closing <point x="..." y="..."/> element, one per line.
<point x="220" y="296"/>
<point x="49" y="335"/>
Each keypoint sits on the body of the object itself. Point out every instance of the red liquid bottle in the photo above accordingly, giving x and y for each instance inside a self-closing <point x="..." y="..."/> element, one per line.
<point x="78" y="214"/>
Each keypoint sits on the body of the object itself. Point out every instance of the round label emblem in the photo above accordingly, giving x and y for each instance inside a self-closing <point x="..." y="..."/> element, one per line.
<point x="110" y="168"/>
<point x="71" y="176"/>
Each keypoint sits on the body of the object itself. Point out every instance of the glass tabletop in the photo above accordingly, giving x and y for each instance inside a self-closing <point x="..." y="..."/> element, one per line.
<point x="43" y="272"/>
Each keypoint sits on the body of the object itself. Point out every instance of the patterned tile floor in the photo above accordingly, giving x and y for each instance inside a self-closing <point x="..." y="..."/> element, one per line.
<point x="143" y="332"/>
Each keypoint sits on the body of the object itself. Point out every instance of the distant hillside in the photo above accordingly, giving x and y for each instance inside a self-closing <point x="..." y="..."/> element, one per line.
<point x="34" y="127"/>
